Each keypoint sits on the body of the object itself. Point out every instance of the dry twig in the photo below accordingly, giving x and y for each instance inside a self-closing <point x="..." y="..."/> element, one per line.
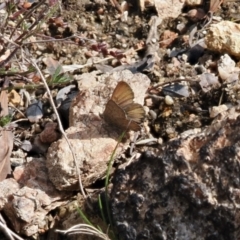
<point x="59" y="123"/>
<point x="8" y="232"/>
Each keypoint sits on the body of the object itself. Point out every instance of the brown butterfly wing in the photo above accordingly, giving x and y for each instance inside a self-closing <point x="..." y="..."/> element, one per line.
<point x="113" y="113"/>
<point x="121" y="111"/>
<point x="122" y="94"/>
<point x="133" y="126"/>
<point x="135" y="112"/>
<point x="115" y="116"/>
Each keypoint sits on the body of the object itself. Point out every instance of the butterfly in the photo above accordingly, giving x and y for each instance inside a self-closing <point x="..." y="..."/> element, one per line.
<point x="121" y="111"/>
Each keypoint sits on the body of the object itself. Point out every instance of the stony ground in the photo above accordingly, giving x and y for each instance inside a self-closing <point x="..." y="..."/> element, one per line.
<point x="184" y="84"/>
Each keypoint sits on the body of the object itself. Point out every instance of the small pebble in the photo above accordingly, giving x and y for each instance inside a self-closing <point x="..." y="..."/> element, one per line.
<point x="214" y="111"/>
<point x="193" y="2"/>
<point x="39" y="53"/>
<point x="169" y="100"/>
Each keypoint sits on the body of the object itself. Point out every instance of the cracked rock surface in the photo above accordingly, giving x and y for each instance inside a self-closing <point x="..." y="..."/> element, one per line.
<point x="188" y="189"/>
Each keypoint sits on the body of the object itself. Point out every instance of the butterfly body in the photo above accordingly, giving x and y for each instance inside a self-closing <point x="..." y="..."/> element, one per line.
<point x="121" y="111"/>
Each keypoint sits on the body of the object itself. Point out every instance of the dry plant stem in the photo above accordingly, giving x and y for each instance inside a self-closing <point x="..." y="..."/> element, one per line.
<point x="19" y="111"/>
<point x="133" y="143"/>
<point x="8" y="232"/>
<point x="9" y="57"/>
<point x="221" y="98"/>
<point x="21" y="120"/>
<point x="9" y="73"/>
<point x="84" y="229"/>
<point x="153" y="36"/>
<point x="25" y="34"/>
<point x="60" y="125"/>
<point x="27" y="15"/>
<point x="50" y="39"/>
<point x="8" y="40"/>
<point x="28" y="33"/>
<point x="174" y="81"/>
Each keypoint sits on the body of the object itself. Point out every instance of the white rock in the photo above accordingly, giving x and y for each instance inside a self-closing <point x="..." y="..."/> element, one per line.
<point x="214" y="111"/>
<point x="167" y="8"/>
<point x="226" y="66"/>
<point x="169" y="100"/>
<point x="224" y="37"/>
<point x="193" y="2"/>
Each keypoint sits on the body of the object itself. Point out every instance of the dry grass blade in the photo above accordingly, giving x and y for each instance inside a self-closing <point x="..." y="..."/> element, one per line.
<point x="8" y="232"/>
<point x="6" y="139"/>
<point x="21" y="32"/>
<point x="85" y="229"/>
<point x="6" y="143"/>
<point x="59" y="124"/>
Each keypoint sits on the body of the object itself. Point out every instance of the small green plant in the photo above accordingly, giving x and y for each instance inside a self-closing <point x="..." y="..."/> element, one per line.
<point x="59" y="77"/>
<point x="5" y="120"/>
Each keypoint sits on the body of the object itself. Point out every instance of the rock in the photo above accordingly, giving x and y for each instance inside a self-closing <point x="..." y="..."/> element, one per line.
<point x="169" y="100"/>
<point x="93" y="141"/>
<point x="93" y="152"/>
<point x="7" y="188"/>
<point x="226" y="68"/>
<point x="208" y="82"/>
<point x="196" y="14"/>
<point x="223" y="37"/>
<point x="188" y="189"/>
<point x="214" y="111"/>
<point x="193" y="2"/>
<point x="27" y="200"/>
<point x="50" y="133"/>
<point x="166" y="8"/>
<point x="27" y="207"/>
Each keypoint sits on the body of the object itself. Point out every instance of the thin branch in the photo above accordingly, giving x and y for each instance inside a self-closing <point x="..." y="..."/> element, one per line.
<point x="60" y="124"/>
<point x="28" y="14"/>
<point x="50" y="39"/>
<point x="8" y="232"/>
<point x="174" y="81"/>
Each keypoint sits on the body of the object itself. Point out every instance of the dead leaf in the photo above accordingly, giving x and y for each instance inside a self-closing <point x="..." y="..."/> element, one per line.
<point x="6" y="143"/>
<point x="3" y="104"/>
<point x="6" y="138"/>
<point x="36" y="78"/>
<point x="14" y="98"/>
<point x="5" y="55"/>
